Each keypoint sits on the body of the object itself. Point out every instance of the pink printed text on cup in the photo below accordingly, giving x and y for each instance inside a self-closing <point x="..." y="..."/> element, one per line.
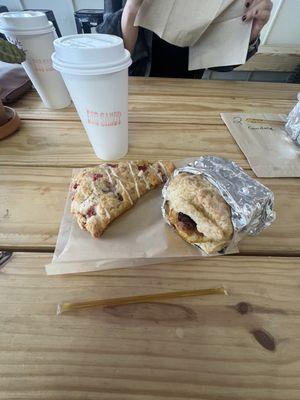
<point x="112" y="118"/>
<point x="42" y="65"/>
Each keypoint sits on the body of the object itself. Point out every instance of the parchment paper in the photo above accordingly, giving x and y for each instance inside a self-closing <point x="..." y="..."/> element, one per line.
<point x="261" y="137"/>
<point x="138" y="237"/>
<point x="213" y="29"/>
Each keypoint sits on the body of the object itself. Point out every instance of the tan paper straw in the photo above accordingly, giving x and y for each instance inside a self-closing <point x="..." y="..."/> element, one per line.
<point x="119" y="301"/>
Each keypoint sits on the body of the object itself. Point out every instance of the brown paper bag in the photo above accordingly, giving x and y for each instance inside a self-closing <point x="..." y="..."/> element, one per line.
<point x="261" y="137"/>
<point x="225" y="42"/>
<point x="178" y="21"/>
<point x="213" y="29"/>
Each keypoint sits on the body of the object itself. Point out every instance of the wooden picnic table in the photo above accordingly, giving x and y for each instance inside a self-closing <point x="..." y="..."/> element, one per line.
<point x="243" y="346"/>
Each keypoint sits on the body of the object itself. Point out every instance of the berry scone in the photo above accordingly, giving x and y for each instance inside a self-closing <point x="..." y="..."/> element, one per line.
<point x="102" y="193"/>
<point x="199" y="214"/>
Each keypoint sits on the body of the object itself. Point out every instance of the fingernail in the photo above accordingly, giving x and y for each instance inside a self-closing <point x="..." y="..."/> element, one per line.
<point x="244" y="18"/>
<point x="247" y="4"/>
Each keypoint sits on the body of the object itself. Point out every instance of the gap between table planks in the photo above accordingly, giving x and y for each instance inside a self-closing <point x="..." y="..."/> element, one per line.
<point x="200" y="348"/>
<point x="32" y="204"/>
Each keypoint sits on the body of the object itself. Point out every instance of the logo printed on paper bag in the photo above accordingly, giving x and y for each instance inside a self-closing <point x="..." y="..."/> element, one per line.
<point x="112" y="118"/>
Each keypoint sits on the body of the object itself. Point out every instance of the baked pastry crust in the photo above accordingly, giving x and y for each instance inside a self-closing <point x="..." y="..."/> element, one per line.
<point x="102" y="193"/>
<point x="198" y="212"/>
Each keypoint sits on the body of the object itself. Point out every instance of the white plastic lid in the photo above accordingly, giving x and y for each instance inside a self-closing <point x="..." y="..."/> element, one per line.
<point x="90" y="54"/>
<point x="25" y="22"/>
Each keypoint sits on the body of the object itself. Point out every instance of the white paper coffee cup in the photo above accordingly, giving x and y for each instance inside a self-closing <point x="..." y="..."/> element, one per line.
<point x="95" y="70"/>
<point x="31" y="31"/>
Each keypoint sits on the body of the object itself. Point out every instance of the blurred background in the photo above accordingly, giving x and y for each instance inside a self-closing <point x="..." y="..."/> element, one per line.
<point x="278" y="58"/>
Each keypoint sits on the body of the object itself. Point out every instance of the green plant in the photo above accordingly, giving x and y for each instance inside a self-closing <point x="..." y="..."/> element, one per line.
<point x="10" y="53"/>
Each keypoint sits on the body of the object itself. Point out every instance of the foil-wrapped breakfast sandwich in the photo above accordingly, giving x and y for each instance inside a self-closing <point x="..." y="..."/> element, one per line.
<point x="212" y="203"/>
<point x="292" y="127"/>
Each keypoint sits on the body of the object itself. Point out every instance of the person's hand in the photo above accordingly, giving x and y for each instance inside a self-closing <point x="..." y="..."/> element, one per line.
<point x="259" y="11"/>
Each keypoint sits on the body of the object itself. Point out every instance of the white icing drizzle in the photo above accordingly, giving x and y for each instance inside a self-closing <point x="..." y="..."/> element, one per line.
<point x="146" y="182"/>
<point x="156" y="173"/>
<point x="130" y="199"/>
<point x="99" y="197"/>
<point x="121" y="184"/>
<point x="94" y="187"/>
<point x="84" y="205"/>
<point x="108" y="174"/>
<point x="163" y="167"/>
<point x="107" y="213"/>
<point x="134" y="180"/>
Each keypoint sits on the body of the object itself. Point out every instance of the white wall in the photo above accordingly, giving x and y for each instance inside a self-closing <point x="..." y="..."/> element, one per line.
<point x="283" y="28"/>
<point x="265" y="32"/>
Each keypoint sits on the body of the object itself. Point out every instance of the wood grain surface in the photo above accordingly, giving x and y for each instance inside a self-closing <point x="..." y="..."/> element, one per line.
<point x="243" y="346"/>
<point x="65" y="143"/>
<point x="273" y="58"/>
<point x="34" y="200"/>
<point x="140" y="86"/>
<point x="213" y="89"/>
<point x="168" y="108"/>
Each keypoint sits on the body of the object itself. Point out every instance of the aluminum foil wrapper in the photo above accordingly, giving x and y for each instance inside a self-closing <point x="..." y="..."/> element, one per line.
<point x="251" y="202"/>
<point x="292" y="127"/>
